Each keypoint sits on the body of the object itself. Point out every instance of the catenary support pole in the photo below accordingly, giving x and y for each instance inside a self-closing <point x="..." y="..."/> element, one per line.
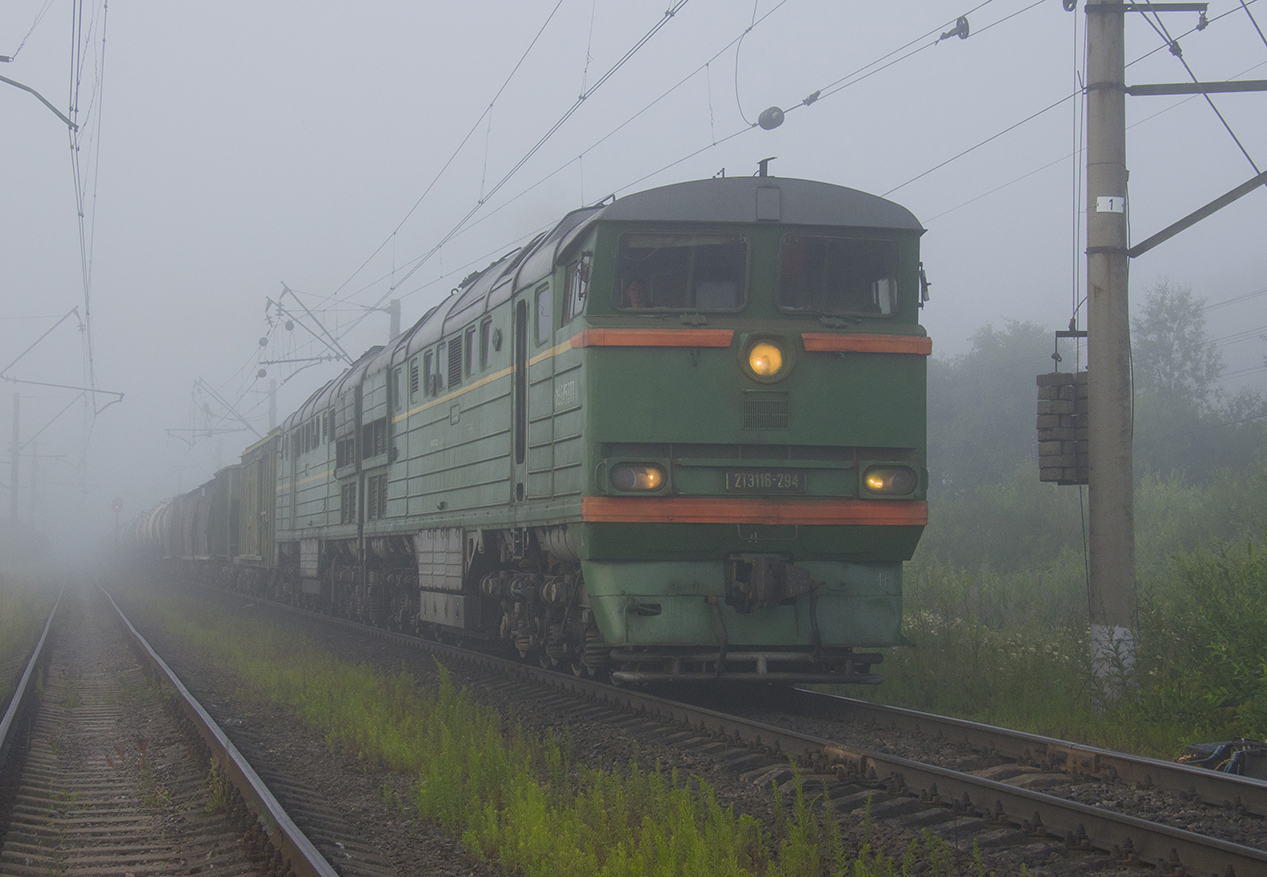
<point x="1111" y="484"/>
<point x="13" y="462"/>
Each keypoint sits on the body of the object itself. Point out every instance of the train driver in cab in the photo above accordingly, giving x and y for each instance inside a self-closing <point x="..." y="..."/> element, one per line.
<point x="635" y="296"/>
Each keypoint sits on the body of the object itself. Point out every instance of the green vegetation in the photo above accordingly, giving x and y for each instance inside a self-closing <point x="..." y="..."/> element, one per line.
<point x="72" y="698"/>
<point x="996" y="601"/>
<point x="24" y="608"/>
<point x="521" y="799"/>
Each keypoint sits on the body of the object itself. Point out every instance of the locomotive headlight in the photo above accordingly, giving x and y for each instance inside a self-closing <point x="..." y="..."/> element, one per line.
<point x="633" y="476"/>
<point x="890" y="480"/>
<point x="765" y="359"/>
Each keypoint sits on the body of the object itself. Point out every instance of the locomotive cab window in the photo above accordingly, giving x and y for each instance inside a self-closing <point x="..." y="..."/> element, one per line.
<point x="577" y="286"/>
<point x="829" y="275"/>
<point x="486" y="343"/>
<point x="682" y="272"/>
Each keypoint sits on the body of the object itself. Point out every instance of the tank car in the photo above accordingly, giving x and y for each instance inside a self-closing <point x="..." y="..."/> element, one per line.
<point x="679" y="436"/>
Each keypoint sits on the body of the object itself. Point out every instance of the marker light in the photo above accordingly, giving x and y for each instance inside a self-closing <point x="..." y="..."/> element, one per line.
<point x="890" y="480"/>
<point x="633" y="476"/>
<point x="765" y="359"/>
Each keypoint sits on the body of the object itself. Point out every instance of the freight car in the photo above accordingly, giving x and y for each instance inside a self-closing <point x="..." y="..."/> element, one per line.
<point x="680" y="435"/>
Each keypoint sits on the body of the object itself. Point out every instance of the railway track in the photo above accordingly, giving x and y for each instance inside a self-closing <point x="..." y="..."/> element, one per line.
<point x="1005" y="800"/>
<point x="1032" y="753"/>
<point x="102" y="776"/>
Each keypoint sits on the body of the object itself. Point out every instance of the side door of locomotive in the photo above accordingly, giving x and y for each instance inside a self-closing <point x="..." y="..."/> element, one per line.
<point x="532" y="390"/>
<point x="519" y="398"/>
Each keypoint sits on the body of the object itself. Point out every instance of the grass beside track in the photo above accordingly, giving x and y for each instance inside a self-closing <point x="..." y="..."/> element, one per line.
<point x="24" y="607"/>
<point x="1010" y="647"/>
<point x="523" y="801"/>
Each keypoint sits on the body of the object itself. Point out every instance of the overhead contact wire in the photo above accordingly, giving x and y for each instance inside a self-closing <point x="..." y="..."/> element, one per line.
<point x="1177" y="51"/>
<point x="456" y="152"/>
<point x="602" y="80"/>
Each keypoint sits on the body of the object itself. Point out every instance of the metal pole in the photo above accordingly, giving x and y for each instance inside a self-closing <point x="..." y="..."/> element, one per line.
<point x="1111" y="484"/>
<point x="31" y="498"/>
<point x="13" y="463"/>
<point x="393" y="311"/>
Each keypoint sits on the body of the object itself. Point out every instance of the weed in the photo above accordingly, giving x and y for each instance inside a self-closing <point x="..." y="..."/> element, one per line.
<point x="72" y="697"/>
<point x="520" y="800"/>
<point x="156" y="798"/>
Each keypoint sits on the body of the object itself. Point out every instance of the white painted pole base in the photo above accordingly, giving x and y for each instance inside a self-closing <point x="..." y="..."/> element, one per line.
<point x="1113" y="658"/>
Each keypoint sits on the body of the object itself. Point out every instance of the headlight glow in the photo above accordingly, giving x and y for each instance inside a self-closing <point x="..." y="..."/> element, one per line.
<point x="765" y="359"/>
<point x="633" y="476"/>
<point x="891" y="480"/>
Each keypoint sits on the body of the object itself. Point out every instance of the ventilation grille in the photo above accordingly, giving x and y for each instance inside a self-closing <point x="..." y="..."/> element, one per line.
<point x="455" y="362"/>
<point x="767" y="411"/>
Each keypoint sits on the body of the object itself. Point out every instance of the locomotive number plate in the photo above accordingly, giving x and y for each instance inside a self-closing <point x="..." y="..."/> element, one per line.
<point x="766" y="481"/>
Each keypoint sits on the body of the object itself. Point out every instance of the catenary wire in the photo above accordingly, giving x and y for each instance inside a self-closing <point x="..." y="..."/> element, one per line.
<point x="1252" y="21"/>
<point x="559" y="123"/>
<point x="738" y="51"/>
<point x="418" y="261"/>
<point x="848" y="80"/>
<point x="1175" y="50"/>
<point x="687" y="78"/>
<point x="39" y="16"/>
<point x="1235" y="300"/>
<point x="465" y="224"/>
<point x="454" y="155"/>
<point x="715" y="142"/>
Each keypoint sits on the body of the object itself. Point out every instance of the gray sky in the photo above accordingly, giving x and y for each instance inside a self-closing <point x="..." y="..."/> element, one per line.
<point x="230" y="147"/>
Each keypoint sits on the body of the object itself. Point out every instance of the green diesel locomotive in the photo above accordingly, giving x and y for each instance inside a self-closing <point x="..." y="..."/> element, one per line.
<point x="679" y="436"/>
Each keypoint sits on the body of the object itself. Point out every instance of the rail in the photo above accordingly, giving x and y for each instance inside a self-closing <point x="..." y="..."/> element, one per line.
<point x="1207" y="785"/>
<point x="24" y="695"/>
<point x="301" y="855"/>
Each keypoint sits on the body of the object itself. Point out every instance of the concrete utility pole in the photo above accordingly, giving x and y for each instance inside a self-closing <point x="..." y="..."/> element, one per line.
<point x="1111" y="481"/>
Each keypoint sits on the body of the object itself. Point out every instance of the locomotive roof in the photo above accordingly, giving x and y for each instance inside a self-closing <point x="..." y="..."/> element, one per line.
<point x="722" y="200"/>
<point x="322" y="398"/>
<point x="735" y="199"/>
<point x="483" y="290"/>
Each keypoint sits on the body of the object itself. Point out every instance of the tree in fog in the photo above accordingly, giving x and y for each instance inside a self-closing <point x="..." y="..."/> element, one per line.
<point x="981" y="408"/>
<point x="1183" y="422"/>
<point x="1172" y="357"/>
<point x="986" y="502"/>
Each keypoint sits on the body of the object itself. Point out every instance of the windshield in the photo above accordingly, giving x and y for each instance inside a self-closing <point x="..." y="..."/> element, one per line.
<point x="829" y="275"/>
<point x="697" y="272"/>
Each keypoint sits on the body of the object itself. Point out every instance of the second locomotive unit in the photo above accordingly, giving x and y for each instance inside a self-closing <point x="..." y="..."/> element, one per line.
<point x="681" y="435"/>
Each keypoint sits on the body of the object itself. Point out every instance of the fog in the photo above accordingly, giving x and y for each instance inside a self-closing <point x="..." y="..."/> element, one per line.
<point x="228" y="151"/>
